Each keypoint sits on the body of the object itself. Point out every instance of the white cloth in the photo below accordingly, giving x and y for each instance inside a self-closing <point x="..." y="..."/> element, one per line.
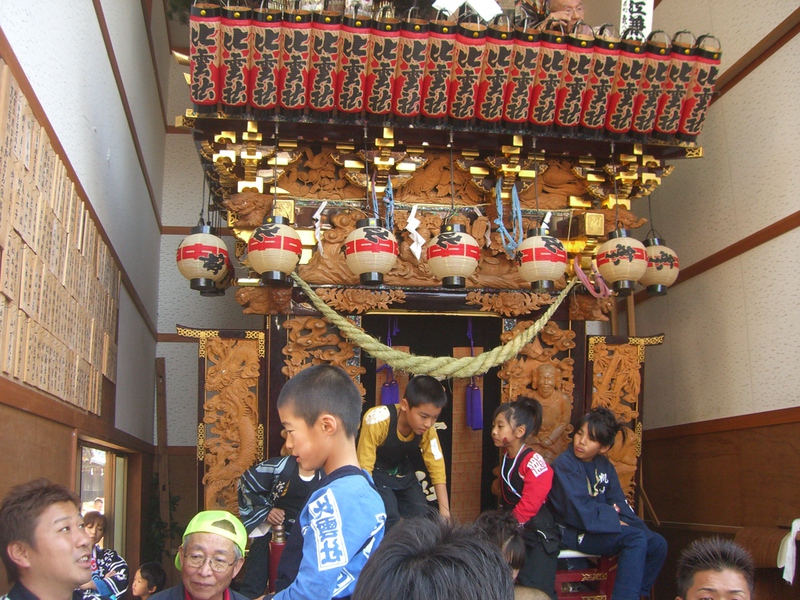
<point x="787" y="553"/>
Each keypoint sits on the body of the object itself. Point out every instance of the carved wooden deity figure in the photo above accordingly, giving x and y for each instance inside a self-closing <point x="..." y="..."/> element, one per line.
<point x="556" y="413"/>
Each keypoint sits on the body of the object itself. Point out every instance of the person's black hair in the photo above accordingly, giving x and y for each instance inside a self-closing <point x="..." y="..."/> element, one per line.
<point x="713" y="554"/>
<point x="424" y="389"/>
<point x="155" y="576"/>
<point x="20" y="512"/>
<point x="602" y="426"/>
<point x="323" y="389"/>
<point x="523" y="411"/>
<point x="502" y="529"/>
<point x="435" y="559"/>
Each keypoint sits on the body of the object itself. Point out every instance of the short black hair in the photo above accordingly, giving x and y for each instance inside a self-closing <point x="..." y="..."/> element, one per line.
<point x="93" y="517"/>
<point x="503" y="530"/>
<point x="424" y="389"/>
<point x="713" y="554"/>
<point x="435" y="559"/>
<point x="522" y="411"/>
<point x="20" y="512"/>
<point x="602" y="426"/>
<point x="155" y="576"/>
<point x="323" y="389"/>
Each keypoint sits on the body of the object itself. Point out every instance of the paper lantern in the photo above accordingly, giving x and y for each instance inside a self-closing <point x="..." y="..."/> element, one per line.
<point x="274" y="250"/>
<point x="453" y="255"/>
<point x="234" y="68"/>
<point x="622" y="261"/>
<point x="203" y="258"/>
<point x="222" y="285"/>
<point x="205" y="39"/>
<point x="662" y="267"/>
<point x="541" y="259"/>
<point x="370" y="251"/>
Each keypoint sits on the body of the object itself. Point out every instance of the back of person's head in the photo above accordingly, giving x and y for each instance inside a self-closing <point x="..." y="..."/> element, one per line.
<point x="502" y="529"/>
<point x="424" y="389"/>
<point x="602" y="426"/>
<point x="435" y="559"/>
<point x="155" y="576"/>
<point x="20" y="512"/>
<point x="323" y="389"/>
<point x="713" y="554"/>
<point x="522" y="412"/>
<point x="94" y="517"/>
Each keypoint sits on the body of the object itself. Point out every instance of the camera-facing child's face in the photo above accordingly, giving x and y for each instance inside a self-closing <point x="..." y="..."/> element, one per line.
<point x="420" y="418"/>
<point x="307" y="444"/>
<point x="584" y="446"/>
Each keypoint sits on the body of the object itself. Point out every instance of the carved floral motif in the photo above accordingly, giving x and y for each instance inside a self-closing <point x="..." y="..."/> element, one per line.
<point x="230" y="413"/>
<point x="249" y="206"/>
<point x="313" y="341"/>
<point x="269" y="300"/>
<point x="509" y="304"/>
<point x="356" y="300"/>
<point x="584" y="307"/>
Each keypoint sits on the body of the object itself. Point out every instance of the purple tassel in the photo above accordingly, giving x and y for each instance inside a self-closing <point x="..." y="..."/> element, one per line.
<point x="474" y="407"/>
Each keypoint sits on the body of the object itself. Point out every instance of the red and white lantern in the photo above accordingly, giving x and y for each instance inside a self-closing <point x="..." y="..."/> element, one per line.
<point x="662" y="267"/>
<point x="622" y="261"/>
<point x="203" y="258"/>
<point x="453" y="255"/>
<point x="541" y="259"/>
<point x="274" y="250"/>
<point x="370" y="251"/>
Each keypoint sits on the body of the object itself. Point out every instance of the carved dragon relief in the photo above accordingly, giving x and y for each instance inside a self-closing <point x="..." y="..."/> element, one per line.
<point x="268" y="300"/>
<point x="538" y="373"/>
<point x="313" y="341"/>
<point x="230" y="413"/>
<point x="356" y="300"/>
<point x="617" y="383"/>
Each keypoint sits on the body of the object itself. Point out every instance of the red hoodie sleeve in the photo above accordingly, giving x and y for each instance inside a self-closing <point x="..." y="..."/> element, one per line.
<point x="538" y="477"/>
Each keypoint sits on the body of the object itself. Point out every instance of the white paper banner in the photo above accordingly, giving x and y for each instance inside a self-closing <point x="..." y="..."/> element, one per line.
<point x="487" y="9"/>
<point x="787" y="552"/>
<point x="317" y="218"/>
<point x="411" y="227"/>
<point x="638" y="16"/>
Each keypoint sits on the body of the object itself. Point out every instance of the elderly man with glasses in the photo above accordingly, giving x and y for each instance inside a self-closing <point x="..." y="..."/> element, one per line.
<point x="211" y="555"/>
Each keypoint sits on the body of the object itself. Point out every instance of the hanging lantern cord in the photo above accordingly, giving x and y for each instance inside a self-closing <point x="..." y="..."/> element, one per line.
<point x="275" y="170"/>
<point x="366" y="169"/>
<point x="536" y="185"/>
<point x="452" y="180"/>
<point x="652" y="226"/>
<point x="616" y="192"/>
<point x="201" y="220"/>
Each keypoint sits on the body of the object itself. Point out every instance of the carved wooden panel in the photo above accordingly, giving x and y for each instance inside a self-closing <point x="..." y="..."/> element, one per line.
<point x="617" y="385"/>
<point x="313" y="341"/>
<point x="538" y="372"/>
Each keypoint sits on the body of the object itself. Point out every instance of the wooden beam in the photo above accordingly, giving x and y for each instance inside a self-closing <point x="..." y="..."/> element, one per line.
<point x="751" y="421"/>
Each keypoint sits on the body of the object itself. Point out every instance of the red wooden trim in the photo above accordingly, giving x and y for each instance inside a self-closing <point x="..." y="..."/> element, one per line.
<point x="769" y="45"/>
<point x="761" y="419"/>
<point x="89" y="426"/>
<point x="182" y="450"/>
<point x="16" y="69"/>
<point x="752" y="241"/>
<point x="181" y="230"/>
<point x="123" y="96"/>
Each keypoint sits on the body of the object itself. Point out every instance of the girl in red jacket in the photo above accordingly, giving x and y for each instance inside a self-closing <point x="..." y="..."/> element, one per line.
<point x="525" y="482"/>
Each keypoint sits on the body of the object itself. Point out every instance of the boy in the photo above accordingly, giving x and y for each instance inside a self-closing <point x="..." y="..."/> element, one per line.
<point x="150" y="579"/>
<point x="271" y="493"/>
<point x="45" y="550"/>
<point x="343" y="520"/>
<point x="588" y="502"/>
<point x="717" y="569"/>
<point x="389" y="434"/>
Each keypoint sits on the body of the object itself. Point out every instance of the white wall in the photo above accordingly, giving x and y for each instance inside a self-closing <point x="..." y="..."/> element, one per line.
<point x="731" y="331"/>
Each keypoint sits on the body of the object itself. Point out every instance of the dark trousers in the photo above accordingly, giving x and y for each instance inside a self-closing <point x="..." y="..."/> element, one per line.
<point x="256" y="568"/>
<point x="640" y="555"/>
<point x="402" y="497"/>
<point x="541" y="537"/>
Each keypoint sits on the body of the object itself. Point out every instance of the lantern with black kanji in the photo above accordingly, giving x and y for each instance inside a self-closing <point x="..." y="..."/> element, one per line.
<point x="679" y="76"/>
<point x="274" y="250"/>
<point x="656" y="66"/>
<point x="265" y="57"/>
<point x="351" y="67"/>
<point x="619" y="111"/>
<point x="622" y="261"/>
<point x="438" y="64"/>
<point x="577" y="70"/>
<point x="662" y="267"/>
<point x="205" y="37"/>
<point x="407" y="92"/>
<point x="552" y="55"/>
<point x="370" y="251"/>
<point x="701" y="88"/>
<point x="541" y="259"/>
<point x="605" y="63"/>
<point x="453" y="255"/>
<point x="468" y="52"/>
<point x="203" y="258"/>
<point x="517" y="103"/>
<point x="325" y="28"/>
<point x="493" y="82"/>
<point x="234" y="66"/>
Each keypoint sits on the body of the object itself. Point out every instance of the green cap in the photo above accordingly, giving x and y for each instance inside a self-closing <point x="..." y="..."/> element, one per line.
<point x="219" y="522"/>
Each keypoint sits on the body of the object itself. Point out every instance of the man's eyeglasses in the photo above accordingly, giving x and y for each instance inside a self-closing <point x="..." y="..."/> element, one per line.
<point x="196" y="561"/>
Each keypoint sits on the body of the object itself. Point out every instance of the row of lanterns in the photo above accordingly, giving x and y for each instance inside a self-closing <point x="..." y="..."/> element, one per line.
<point x="371" y="251"/>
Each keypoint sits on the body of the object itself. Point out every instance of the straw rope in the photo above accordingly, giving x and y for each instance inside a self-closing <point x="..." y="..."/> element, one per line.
<point x="436" y="366"/>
